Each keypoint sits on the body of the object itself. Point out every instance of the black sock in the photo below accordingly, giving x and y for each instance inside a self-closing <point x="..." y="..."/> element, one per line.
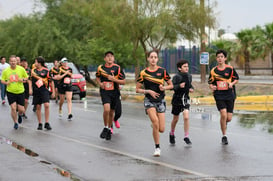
<point x="157" y="146"/>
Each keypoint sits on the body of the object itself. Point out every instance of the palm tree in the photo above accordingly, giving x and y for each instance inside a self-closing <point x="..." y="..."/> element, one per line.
<point x="243" y="50"/>
<point x="220" y="44"/>
<point x="268" y="41"/>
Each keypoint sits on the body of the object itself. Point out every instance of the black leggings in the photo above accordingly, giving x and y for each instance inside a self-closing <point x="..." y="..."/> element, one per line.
<point x="118" y="110"/>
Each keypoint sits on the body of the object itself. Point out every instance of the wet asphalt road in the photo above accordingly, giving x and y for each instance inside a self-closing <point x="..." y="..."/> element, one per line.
<point x="76" y="149"/>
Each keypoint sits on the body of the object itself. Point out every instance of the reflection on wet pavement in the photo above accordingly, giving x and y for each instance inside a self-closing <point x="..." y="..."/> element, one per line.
<point x="256" y="116"/>
<point x="4" y="140"/>
<point x="17" y="146"/>
<point x="254" y="119"/>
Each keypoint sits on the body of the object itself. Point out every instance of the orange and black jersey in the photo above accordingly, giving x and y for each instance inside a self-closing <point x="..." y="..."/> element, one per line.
<point x="66" y="80"/>
<point x="151" y="81"/>
<point x="54" y="71"/>
<point x="104" y="71"/>
<point x="40" y="79"/>
<point x="220" y="78"/>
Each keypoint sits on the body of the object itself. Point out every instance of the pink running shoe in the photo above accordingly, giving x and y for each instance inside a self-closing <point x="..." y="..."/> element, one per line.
<point x="117" y="124"/>
<point x="3" y="102"/>
<point x="112" y="131"/>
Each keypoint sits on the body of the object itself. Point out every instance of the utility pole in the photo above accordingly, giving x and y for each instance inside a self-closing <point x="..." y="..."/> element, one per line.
<point x="203" y="42"/>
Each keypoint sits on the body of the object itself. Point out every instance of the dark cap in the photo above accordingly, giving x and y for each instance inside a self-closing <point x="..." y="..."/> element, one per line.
<point x="108" y="52"/>
<point x="23" y="59"/>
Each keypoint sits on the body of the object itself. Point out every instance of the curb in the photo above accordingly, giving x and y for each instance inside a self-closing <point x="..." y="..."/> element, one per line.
<point x="264" y="99"/>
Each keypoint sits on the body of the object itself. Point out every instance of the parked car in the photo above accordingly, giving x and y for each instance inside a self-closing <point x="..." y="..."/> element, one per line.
<point x="78" y="80"/>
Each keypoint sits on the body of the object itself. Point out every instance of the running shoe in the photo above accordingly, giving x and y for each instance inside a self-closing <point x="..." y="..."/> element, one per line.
<point x="103" y="133"/>
<point x="117" y="124"/>
<point x="15" y="126"/>
<point x="157" y="152"/>
<point x="24" y="116"/>
<point x="187" y="140"/>
<point x="172" y="139"/>
<point x="70" y="117"/>
<point x="108" y="135"/>
<point x="47" y="126"/>
<point x="20" y="119"/>
<point x="40" y="126"/>
<point x="224" y="140"/>
<point x="3" y="102"/>
<point x="60" y="113"/>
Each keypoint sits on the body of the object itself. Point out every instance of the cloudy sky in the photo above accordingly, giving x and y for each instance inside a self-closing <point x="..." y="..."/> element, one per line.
<point x="232" y="15"/>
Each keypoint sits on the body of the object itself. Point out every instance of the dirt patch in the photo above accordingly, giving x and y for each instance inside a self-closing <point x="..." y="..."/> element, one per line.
<point x="202" y="89"/>
<point x="242" y="89"/>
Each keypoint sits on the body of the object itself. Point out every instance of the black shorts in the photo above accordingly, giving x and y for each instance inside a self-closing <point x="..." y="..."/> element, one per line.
<point x="111" y="98"/>
<point x="26" y="90"/>
<point x="225" y="104"/>
<point x="56" y="84"/>
<point x="18" y="98"/>
<point x="26" y="93"/>
<point x="177" y="109"/>
<point x="40" y="97"/>
<point x="62" y="89"/>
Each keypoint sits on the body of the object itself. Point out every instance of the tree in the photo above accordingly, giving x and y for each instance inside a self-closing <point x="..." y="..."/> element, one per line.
<point x="243" y="50"/>
<point x="149" y="24"/>
<point x="220" y="44"/>
<point x="265" y="41"/>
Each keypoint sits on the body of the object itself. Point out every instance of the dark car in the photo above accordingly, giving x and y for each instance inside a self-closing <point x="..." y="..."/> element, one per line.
<point x="78" y="81"/>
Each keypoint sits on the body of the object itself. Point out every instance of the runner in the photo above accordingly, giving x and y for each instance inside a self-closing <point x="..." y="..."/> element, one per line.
<point x="32" y="67"/>
<point x="118" y="111"/>
<point x="14" y="77"/>
<point x="53" y="72"/>
<point x="40" y="79"/>
<point x="65" y="87"/>
<point x="3" y="65"/>
<point x="27" y="85"/>
<point x="109" y="76"/>
<point x="222" y="79"/>
<point x="18" y="59"/>
<point x="153" y="78"/>
<point x="181" y="99"/>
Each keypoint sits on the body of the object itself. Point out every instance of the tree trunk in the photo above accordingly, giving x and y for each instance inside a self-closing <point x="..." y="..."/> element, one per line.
<point x="271" y="53"/>
<point x="247" y="64"/>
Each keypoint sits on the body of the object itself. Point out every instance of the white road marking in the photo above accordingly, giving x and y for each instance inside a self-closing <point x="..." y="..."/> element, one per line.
<point x="125" y="154"/>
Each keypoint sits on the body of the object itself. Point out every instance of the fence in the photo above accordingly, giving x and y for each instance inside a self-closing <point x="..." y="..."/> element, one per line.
<point x="169" y="58"/>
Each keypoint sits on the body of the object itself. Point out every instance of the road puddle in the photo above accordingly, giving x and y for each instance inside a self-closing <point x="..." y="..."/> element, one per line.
<point x="258" y="117"/>
<point x="29" y="152"/>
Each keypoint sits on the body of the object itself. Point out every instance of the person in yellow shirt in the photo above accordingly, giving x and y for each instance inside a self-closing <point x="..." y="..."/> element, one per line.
<point x="14" y="77"/>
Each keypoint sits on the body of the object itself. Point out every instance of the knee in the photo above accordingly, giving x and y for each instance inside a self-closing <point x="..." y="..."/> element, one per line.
<point x="106" y="111"/>
<point x="38" y="107"/>
<point x="46" y="106"/>
<point x="161" y="129"/>
<point x="155" y="126"/>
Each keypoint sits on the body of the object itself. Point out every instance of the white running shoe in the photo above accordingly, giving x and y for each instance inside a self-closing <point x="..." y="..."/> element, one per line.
<point x="60" y="113"/>
<point x="157" y="152"/>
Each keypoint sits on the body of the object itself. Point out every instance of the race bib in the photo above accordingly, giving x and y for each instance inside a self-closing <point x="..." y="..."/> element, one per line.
<point x="13" y="78"/>
<point x="39" y="83"/>
<point x="67" y="80"/>
<point x="222" y="85"/>
<point x="108" y="85"/>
